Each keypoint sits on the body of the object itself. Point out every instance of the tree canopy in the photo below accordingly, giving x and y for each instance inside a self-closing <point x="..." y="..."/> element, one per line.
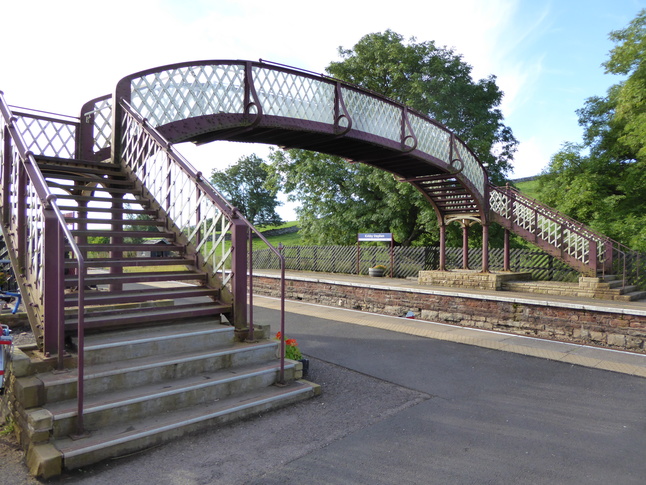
<point x="339" y="199"/>
<point x="602" y="181"/>
<point x="245" y="186"/>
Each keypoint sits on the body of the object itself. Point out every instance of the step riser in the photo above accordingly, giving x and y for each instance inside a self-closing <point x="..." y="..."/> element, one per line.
<point x="167" y="345"/>
<point x="162" y="404"/>
<point x="95" y="384"/>
<point x="115" y="449"/>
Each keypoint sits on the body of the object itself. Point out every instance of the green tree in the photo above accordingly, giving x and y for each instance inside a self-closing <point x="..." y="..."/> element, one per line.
<point x="339" y="199"/>
<point x="602" y="182"/>
<point x="245" y="185"/>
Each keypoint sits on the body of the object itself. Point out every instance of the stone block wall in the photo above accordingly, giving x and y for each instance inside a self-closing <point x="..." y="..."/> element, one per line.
<point x="590" y="324"/>
<point x="469" y="279"/>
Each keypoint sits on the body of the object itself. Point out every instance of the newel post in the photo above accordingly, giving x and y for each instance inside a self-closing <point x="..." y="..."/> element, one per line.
<point x="239" y="234"/>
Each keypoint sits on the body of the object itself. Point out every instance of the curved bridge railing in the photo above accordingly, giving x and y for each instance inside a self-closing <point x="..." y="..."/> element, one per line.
<point x="202" y="97"/>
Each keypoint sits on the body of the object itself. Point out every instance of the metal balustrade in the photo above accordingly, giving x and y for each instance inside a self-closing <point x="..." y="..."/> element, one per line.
<point x="550" y="229"/>
<point x="33" y="225"/>
<point x="169" y="95"/>
<point x="200" y="215"/>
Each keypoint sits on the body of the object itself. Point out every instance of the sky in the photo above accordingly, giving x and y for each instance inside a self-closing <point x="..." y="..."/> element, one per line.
<point x="546" y="55"/>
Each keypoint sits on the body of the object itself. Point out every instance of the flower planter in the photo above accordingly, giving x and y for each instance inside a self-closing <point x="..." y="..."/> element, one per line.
<point x="376" y="272"/>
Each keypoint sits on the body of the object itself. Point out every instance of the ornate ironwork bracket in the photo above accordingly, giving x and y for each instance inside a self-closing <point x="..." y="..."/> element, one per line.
<point x="407" y="133"/>
<point x="340" y="112"/>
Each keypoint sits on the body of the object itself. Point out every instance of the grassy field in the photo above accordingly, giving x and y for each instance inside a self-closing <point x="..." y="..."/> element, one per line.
<point x="529" y="188"/>
<point x="292" y="239"/>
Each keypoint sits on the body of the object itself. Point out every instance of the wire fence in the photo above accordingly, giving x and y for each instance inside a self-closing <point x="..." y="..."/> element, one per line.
<point x="409" y="261"/>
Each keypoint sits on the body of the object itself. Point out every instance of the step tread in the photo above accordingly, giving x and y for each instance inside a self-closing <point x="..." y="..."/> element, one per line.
<point x="107" y="278"/>
<point x="114" y="399"/>
<point x="107" y="438"/>
<point x="138" y="261"/>
<point x="147" y="314"/>
<point x="73" y="162"/>
<point x="130" y="247"/>
<point x="100" y="341"/>
<point x="97" y="371"/>
<point x="125" y="233"/>
<point x="110" y="297"/>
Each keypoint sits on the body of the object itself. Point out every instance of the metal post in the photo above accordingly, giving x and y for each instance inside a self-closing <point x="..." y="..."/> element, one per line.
<point x="239" y="268"/>
<point x="281" y="374"/>
<point x="505" y="263"/>
<point x="250" y="335"/>
<point x="442" y="247"/>
<point x="485" y="248"/>
<point x="465" y="245"/>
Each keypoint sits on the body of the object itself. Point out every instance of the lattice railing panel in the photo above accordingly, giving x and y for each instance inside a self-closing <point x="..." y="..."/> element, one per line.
<point x="193" y="213"/>
<point x="471" y="167"/>
<point x="293" y="96"/>
<point x="547" y="226"/>
<point x="431" y="138"/>
<point x="373" y="115"/>
<point x="48" y="137"/>
<point x="101" y="113"/>
<point x="184" y="92"/>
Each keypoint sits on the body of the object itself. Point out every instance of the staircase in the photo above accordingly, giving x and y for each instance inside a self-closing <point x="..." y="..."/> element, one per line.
<point x="608" y="287"/>
<point x="114" y="226"/>
<point x="146" y="386"/>
<point x="556" y="234"/>
<point x="136" y="297"/>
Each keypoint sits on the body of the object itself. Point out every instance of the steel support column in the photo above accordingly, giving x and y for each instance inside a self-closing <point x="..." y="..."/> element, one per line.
<point x="485" y="248"/>
<point x="239" y="233"/>
<point x="442" y="247"/>
<point x="505" y="262"/>
<point x="465" y="245"/>
<point x="53" y="285"/>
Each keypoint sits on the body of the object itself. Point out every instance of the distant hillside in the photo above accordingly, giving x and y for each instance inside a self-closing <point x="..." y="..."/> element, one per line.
<point x="528" y="185"/>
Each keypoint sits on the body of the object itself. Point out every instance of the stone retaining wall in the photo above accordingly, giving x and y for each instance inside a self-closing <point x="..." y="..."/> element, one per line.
<point x="584" y="324"/>
<point x="470" y="279"/>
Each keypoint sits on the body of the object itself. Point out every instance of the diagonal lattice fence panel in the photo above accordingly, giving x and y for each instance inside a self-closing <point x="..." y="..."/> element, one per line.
<point x="409" y="261"/>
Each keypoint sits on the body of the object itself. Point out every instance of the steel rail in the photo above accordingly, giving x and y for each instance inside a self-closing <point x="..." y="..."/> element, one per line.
<point x="48" y="201"/>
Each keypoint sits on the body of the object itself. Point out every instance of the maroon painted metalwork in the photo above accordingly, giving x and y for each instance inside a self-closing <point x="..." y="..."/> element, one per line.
<point x="465" y="245"/>
<point x="36" y="237"/>
<point x="260" y="102"/>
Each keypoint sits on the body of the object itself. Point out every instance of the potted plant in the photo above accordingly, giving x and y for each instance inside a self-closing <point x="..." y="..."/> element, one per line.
<point x="377" y="271"/>
<point x="292" y="352"/>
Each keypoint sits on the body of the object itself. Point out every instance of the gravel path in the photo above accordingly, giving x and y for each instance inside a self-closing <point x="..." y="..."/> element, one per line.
<point x="245" y="451"/>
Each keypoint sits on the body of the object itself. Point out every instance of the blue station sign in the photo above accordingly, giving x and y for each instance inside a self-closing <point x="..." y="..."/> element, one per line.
<point x="375" y="236"/>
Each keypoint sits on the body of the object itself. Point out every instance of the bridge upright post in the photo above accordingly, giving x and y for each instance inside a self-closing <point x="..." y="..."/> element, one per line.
<point x="505" y="263"/>
<point x="239" y="234"/>
<point x="465" y="245"/>
<point x="442" y="247"/>
<point x="485" y="248"/>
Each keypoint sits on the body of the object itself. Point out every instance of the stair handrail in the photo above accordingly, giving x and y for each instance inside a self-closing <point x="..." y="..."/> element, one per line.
<point x="48" y="201"/>
<point x="226" y="208"/>
<point x="555" y="215"/>
<point x="549" y="214"/>
<point x="606" y="243"/>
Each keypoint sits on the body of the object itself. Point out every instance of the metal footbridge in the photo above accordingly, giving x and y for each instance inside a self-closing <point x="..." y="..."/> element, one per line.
<point x="84" y="199"/>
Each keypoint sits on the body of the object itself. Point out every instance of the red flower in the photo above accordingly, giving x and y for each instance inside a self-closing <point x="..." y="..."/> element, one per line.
<point x="291" y="342"/>
<point x="278" y="335"/>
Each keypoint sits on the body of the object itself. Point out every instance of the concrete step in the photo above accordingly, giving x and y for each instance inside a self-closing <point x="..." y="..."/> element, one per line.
<point x="144" y="316"/>
<point x="633" y="296"/>
<point x="133" y="404"/>
<point x="136" y="435"/>
<point x="167" y="340"/>
<point x="137" y="296"/>
<point x="131" y="373"/>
